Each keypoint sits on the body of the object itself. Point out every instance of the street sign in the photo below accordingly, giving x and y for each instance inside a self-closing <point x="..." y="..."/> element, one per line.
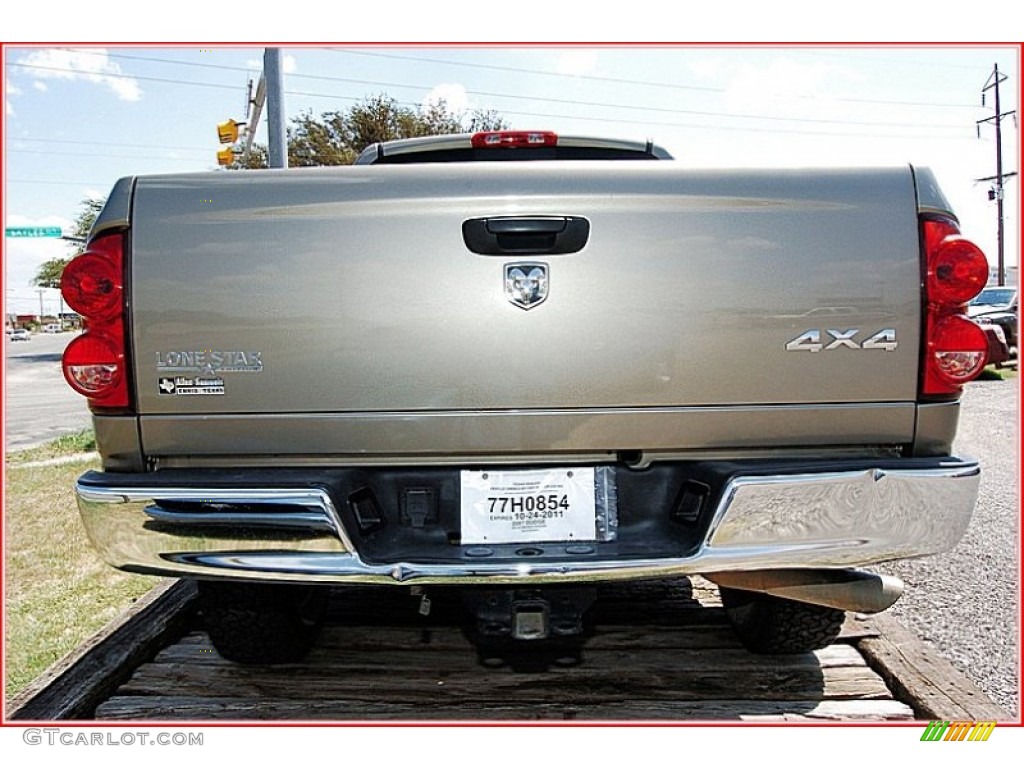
<point x="32" y="232"/>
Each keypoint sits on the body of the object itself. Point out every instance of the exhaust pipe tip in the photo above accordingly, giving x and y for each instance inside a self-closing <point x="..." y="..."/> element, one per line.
<point x="847" y="589"/>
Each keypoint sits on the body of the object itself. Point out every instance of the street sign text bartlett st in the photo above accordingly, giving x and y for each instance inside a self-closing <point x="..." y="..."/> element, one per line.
<point x="32" y="232"/>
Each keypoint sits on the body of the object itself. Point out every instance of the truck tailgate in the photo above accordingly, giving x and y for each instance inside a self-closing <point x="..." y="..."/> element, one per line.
<point x="352" y="291"/>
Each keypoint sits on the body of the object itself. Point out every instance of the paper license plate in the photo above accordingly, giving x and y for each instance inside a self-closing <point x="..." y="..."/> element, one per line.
<point x="524" y="506"/>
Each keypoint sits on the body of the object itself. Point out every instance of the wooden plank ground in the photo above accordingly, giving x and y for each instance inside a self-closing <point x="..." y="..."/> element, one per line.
<point x="918" y="675"/>
<point x="653" y="651"/>
<point x="75" y="685"/>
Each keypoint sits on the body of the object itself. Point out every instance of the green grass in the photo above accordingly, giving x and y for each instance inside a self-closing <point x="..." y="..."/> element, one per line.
<point x="991" y="373"/>
<point x="58" y="591"/>
<point x="66" y="445"/>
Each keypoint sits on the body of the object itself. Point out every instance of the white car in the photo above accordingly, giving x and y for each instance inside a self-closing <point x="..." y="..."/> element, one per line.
<point x="20" y="334"/>
<point x="993" y="299"/>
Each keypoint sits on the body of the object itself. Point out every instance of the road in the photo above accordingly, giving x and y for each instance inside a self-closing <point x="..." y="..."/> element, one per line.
<point x="39" y="404"/>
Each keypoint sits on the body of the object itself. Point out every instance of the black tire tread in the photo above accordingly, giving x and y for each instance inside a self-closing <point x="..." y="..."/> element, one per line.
<point x="262" y="623"/>
<point x="773" y="625"/>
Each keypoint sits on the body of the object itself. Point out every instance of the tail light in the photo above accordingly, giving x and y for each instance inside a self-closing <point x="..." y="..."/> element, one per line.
<point x="955" y="348"/>
<point x="95" y="364"/>
<point x="515" y="139"/>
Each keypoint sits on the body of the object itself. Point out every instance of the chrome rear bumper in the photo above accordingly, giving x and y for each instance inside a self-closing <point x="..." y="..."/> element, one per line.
<point x="760" y="522"/>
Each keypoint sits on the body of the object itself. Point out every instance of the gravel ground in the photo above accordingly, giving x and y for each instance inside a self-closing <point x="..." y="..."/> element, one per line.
<point x="965" y="603"/>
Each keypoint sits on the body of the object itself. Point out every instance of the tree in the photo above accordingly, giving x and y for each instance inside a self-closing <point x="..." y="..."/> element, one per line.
<point x="337" y="138"/>
<point x="49" y="272"/>
<point x="258" y="158"/>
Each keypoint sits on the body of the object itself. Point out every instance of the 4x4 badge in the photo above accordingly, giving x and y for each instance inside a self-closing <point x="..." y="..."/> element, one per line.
<point x="526" y="283"/>
<point x="813" y="340"/>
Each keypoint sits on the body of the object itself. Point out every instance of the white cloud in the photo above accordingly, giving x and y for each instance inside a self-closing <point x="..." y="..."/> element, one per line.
<point x="452" y="94"/>
<point x="578" y="62"/>
<point x="89" y="65"/>
<point x="11" y="90"/>
<point x="39" y="85"/>
<point x="18" y="220"/>
<point x="783" y="82"/>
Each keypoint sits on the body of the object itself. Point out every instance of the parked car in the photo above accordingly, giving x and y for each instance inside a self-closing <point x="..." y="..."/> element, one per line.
<point x="992" y="299"/>
<point x="995" y="310"/>
<point x="1004" y="325"/>
<point x="20" y="334"/>
<point x="999" y="352"/>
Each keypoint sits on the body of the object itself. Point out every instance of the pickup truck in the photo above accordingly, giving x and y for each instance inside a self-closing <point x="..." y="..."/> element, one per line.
<point x="440" y="368"/>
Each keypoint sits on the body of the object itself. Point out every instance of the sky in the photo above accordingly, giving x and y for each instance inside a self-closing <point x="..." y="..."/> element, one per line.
<point x="76" y="120"/>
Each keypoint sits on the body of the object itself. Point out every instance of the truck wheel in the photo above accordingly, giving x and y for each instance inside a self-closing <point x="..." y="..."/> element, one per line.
<point x="768" y="624"/>
<point x="262" y="623"/>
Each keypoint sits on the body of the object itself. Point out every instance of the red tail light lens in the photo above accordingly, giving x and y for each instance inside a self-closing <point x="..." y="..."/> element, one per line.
<point x="955" y="348"/>
<point x="498" y="139"/>
<point x="93" y="285"/>
<point x="957" y="271"/>
<point x="957" y="352"/>
<point x="94" y="365"/>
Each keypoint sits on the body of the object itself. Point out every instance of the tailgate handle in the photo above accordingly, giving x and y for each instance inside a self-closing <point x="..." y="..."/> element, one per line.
<point x="524" y="235"/>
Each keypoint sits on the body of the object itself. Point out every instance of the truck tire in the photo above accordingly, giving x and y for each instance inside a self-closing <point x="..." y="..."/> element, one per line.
<point x="262" y="623"/>
<point x="768" y="624"/>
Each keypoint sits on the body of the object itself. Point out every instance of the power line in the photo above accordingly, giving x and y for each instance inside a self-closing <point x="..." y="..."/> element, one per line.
<point x="625" y="81"/>
<point x="181" y="63"/>
<point x="523" y="70"/>
<point x="661" y="110"/>
<point x="413" y="104"/>
<point x="906" y="62"/>
<point x="144" y="78"/>
<point x="529" y="71"/>
<point x="838" y="134"/>
<point x="596" y="78"/>
<point x="97" y="154"/>
<point x="109" y="144"/>
<point x="545" y="115"/>
<point x="492" y="94"/>
<point x="664" y="124"/>
<point x="54" y="181"/>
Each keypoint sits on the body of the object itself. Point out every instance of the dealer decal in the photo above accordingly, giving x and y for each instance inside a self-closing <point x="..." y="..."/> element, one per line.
<point x="191" y="385"/>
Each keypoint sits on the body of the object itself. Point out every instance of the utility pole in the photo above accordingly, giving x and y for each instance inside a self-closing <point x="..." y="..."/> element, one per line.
<point x="276" y="134"/>
<point x="254" y="121"/>
<point x="40" y="292"/>
<point x="996" y="192"/>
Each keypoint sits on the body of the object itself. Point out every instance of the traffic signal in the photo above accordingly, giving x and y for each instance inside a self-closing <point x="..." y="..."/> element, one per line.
<point x="227" y="131"/>
<point x="225" y="156"/>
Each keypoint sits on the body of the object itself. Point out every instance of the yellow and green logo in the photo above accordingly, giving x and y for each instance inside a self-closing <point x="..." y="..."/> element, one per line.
<point x="958" y="730"/>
